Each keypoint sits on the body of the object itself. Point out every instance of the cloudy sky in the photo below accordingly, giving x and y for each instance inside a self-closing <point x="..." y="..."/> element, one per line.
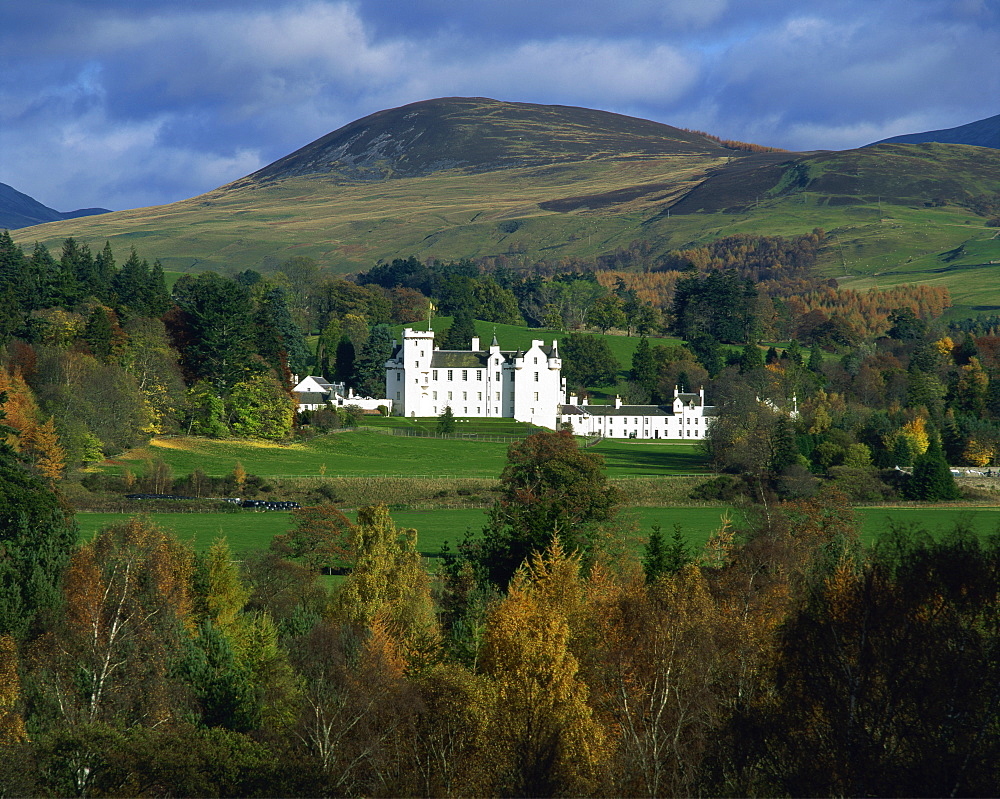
<point x="126" y="103"/>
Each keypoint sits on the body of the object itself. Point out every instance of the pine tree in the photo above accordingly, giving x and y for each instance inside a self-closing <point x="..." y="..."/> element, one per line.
<point x="460" y="334"/>
<point x="644" y="367"/>
<point x="446" y="422"/>
<point x="932" y="480"/>
<point x="654" y="555"/>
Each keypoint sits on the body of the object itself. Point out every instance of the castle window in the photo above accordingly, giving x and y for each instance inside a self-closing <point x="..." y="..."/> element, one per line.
<point x="434" y="374"/>
<point x="465" y="374"/>
<point x="449" y="395"/>
<point x="479" y="374"/>
<point x="450" y="374"/>
<point x="465" y="395"/>
<point x="435" y="395"/>
<point x="498" y="396"/>
<point x="498" y="375"/>
<point x="399" y="376"/>
<point x="536" y="377"/>
<point x="536" y="396"/>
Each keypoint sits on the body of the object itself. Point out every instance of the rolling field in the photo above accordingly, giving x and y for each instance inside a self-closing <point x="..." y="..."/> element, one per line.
<point x="366" y="454"/>
<point x="250" y="531"/>
<point x="353" y="454"/>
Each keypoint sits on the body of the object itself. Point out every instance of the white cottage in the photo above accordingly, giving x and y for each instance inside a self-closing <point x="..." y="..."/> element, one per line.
<point x="313" y="392"/>
<point x="526" y="385"/>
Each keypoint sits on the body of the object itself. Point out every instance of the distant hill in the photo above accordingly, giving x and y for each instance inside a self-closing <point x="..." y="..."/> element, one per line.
<point x="984" y="133"/>
<point x="18" y="210"/>
<point x="476" y="178"/>
<point x="477" y="134"/>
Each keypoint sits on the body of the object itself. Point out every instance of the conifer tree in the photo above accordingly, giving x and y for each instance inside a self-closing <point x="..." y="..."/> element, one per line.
<point x="460" y="333"/>
<point x="37" y="535"/>
<point x="644" y="367"/>
<point x="932" y="480"/>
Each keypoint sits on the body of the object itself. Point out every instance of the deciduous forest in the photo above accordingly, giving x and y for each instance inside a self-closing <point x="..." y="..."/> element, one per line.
<point x="540" y="655"/>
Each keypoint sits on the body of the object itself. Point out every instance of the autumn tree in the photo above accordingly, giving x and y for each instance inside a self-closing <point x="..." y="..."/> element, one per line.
<point x="322" y="538"/>
<point x="128" y="611"/>
<point x="37" y="534"/>
<point x="49" y="455"/>
<point x="12" y="729"/>
<point x="259" y="407"/>
<point x="544" y="739"/>
<point x="239" y="673"/>
<point x="873" y="694"/>
<point x="389" y="583"/>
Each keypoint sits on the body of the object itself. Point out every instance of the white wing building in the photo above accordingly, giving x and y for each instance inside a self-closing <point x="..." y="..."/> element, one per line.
<point x="687" y="416"/>
<point x="526" y="385"/>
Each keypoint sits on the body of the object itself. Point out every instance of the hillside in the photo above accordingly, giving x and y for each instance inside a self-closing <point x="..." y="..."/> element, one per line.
<point x="981" y="133"/>
<point x="18" y="210"/>
<point x="470" y="177"/>
<point x="477" y="135"/>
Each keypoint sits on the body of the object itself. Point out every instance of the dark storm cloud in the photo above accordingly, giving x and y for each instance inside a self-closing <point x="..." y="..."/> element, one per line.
<point x="139" y="103"/>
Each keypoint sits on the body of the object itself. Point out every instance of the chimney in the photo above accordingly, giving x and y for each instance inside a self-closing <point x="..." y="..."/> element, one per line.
<point x="618" y="401"/>
<point x="475" y="344"/>
<point x="572" y="399"/>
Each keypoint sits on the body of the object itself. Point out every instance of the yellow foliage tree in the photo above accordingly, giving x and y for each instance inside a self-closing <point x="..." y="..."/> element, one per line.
<point x="12" y="730"/>
<point x="21" y="409"/>
<point x="389" y="584"/>
<point x="978" y="453"/>
<point x="544" y="737"/>
<point x="49" y="455"/>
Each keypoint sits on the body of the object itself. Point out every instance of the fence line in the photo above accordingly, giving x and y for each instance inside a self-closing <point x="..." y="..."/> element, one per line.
<point x="408" y="433"/>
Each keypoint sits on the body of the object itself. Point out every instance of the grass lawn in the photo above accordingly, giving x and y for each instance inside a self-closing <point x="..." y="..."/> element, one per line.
<point x="367" y="454"/>
<point x="353" y="454"/>
<point x="628" y="458"/>
<point x="937" y="521"/>
<point x="253" y="531"/>
<point x="249" y="530"/>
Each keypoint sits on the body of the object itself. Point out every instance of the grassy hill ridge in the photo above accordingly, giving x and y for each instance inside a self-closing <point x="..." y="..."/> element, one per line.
<point x="469" y="177"/>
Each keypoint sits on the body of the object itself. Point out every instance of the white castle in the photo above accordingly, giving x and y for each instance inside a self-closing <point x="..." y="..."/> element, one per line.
<point x="422" y="380"/>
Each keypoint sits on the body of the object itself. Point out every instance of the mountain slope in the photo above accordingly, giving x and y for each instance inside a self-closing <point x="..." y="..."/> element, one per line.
<point x="18" y="210"/>
<point x="478" y="135"/>
<point x="457" y="178"/>
<point x="982" y="133"/>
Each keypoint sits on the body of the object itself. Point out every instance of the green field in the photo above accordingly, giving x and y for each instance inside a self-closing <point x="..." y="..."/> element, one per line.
<point x="367" y="454"/>
<point x="250" y="531"/>
<point x="354" y="454"/>
<point x="628" y="458"/>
